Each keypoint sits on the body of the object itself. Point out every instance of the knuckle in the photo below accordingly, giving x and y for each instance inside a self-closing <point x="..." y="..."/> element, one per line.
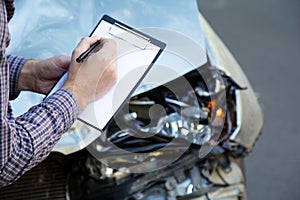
<point x="76" y="51"/>
<point x="85" y="39"/>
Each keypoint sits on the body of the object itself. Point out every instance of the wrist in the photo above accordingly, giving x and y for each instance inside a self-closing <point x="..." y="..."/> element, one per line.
<point x="27" y="78"/>
<point x="81" y="100"/>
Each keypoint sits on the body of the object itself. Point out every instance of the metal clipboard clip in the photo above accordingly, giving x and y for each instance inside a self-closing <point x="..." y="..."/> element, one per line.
<point x="132" y="37"/>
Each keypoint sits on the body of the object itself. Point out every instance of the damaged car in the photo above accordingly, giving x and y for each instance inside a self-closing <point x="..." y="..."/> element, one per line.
<point x="183" y="134"/>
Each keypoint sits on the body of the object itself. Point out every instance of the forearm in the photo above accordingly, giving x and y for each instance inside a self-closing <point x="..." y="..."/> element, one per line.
<point x="36" y="75"/>
<point x="27" y="78"/>
<point x="22" y="75"/>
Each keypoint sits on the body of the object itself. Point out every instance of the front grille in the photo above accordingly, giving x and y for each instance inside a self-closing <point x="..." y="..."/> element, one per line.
<point x="44" y="182"/>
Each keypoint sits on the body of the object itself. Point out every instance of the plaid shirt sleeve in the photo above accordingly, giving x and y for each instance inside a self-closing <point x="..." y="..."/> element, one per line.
<point x="26" y="140"/>
<point x="15" y="65"/>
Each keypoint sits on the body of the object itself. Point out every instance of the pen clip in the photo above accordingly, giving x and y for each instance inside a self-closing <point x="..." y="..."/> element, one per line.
<point x="131" y="36"/>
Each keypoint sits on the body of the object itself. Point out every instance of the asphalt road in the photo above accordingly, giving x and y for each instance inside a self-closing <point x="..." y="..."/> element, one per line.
<point x="264" y="36"/>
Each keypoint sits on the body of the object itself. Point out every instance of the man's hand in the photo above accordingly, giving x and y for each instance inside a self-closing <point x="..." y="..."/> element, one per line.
<point x="88" y="80"/>
<point x="40" y="76"/>
<point x="92" y="78"/>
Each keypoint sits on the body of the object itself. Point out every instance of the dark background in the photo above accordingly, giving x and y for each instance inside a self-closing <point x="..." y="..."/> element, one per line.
<point x="264" y="36"/>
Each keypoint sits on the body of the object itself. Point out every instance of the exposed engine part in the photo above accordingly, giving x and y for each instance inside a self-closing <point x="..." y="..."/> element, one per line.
<point x="183" y="124"/>
<point x="200" y="182"/>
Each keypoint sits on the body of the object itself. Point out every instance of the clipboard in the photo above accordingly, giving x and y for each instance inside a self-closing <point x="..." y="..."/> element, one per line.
<point x="136" y="54"/>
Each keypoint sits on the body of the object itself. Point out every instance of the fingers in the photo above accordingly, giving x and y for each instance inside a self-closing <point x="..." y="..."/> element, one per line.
<point x="83" y="45"/>
<point x="108" y="44"/>
<point x="107" y="47"/>
<point x="107" y="51"/>
<point x="62" y="61"/>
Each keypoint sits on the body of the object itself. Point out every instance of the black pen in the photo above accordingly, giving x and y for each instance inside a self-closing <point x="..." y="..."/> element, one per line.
<point x="86" y="53"/>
